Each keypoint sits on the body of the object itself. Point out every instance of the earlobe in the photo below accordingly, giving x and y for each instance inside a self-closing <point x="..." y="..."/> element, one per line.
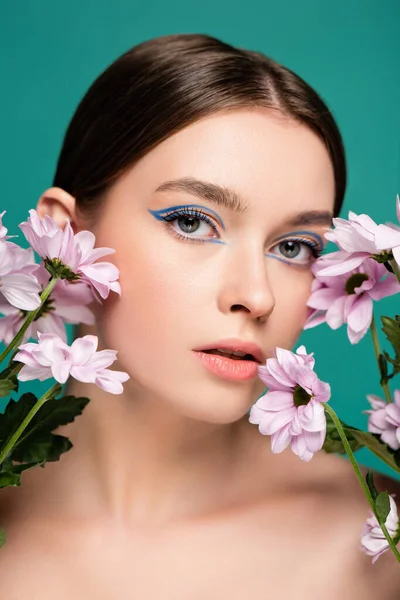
<point x="58" y="204"/>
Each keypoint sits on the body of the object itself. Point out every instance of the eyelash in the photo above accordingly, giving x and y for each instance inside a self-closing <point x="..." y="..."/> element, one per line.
<point x="188" y="212"/>
<point x="169" y="218"/>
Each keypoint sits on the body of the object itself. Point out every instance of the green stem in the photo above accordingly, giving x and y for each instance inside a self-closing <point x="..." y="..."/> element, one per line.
<point x="16" y="369"/>
<point x="378" y="353"/>
<point x="17" y="434"/>
<point x="396" y="269"/>
<point x="360" y="477"/>
<point x="31" y="316"/>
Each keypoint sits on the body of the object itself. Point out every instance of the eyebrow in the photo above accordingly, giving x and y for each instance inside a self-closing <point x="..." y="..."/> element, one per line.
<point x="221" y="196"/>
<point x="311" y="217"/>
<point x="228" y="198"/>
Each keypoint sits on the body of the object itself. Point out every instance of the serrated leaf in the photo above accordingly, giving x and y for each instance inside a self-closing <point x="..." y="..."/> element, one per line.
<point x="333" y="442"/>
<point x="395" y="362"/>
<point x="41" y="448"/>
<point x="37" y="444"/>
<point x="18" y="468"/>
<point x="9" y="478"/>
<point x="6" y="465"/>
<point x="2" y="537"/>
<point x="15" y="412"/>
<point x="5" y="374"/>
<point x="382" y="507"/>
<point x="53" y="414"/>
<point x="336" y="446"/>
<point x="391" y="328"/>
<point x="371" y="486"/>
<point x="6" y="386"/>
<point x="382" y="363"/>
<point x="377" y="447"/>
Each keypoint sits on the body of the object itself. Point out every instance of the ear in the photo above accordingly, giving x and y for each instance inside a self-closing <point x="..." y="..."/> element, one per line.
<point x="59" y="205"/>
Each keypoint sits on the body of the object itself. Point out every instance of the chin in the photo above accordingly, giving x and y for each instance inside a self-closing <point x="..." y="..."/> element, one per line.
<point x="217" y="407"/>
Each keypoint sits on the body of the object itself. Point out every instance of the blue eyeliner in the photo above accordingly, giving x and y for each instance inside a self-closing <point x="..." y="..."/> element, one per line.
<point x="158" y="214"/>
<point x="171" y="214"/>
<point x="309" y="233"/>
<point x="214" y="241"/>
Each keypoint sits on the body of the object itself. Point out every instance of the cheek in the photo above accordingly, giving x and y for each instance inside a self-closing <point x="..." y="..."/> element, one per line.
<point x="290" y="312"/>
<point x="154" y="318"/>
<point x="146" y="305"/>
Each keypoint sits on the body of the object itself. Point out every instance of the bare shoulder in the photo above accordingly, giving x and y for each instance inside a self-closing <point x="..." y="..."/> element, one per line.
<point x="347" y="509"/>
<point x="321" y="509"/>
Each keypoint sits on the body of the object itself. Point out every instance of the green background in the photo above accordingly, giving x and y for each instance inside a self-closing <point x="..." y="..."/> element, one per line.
<point x="50" y="52"/>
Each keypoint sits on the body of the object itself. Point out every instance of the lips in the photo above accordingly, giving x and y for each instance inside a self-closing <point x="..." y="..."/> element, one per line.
<point x="235" y="345"/>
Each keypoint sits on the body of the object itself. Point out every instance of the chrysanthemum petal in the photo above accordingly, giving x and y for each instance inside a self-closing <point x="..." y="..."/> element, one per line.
<point x="276" y="400"/>
<point x="390" y="437"/>
<point x="280" y="440"/>
<point x="386" y="237"/>
<point x="348" y="264"/>
<point x="83" y="348"/>
<point x="272" y="422"/>
<point x="61" y="370"/>
<point x="393" y="414"/>
<point x="21" y="290"/>
<point x="314" y="440"/>
<point x="28" y="373"/>
<point x="335" y="313"/>
<point x="111" y="381"/>
<point x="360" y="315"/>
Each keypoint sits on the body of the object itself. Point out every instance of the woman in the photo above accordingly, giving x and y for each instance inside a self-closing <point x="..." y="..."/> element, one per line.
<point x="213" y="171"/>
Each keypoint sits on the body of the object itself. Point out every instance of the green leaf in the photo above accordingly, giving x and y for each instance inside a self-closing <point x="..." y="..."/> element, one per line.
<point x="391" y="328"/>
<point x="10" y="473"/>
<point x="333" y="442"/>
<point x="382" y="507"/>
<point x="53" y="414"/>
<point x="396" y="365"/>
<point x="382" y="363"/>
<point x="41" y="448"/>
<point x="383" y="257"/>
<point x="6" y="373"/>
<point x="6" y="386"/>
<point x="37" y="444"/>
<point x="2" y="537"/>
<point x="371" y="486"/>
<point x="23" y="467"/>
<point x="9" y="478"/>
<point x="377" y="447"/>
<point x="15" y="412"/>
<point x="6" y="465"/>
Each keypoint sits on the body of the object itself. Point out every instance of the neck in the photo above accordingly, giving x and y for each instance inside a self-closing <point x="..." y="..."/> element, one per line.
<point x="136" y="461"/>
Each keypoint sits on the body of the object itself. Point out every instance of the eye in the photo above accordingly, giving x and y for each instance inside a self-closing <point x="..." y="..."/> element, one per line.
<point x="186" y="221"/>
<point x="299" y="251"/>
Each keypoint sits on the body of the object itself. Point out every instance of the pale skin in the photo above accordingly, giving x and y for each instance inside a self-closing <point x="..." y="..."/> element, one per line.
<point x="169" y="491"/>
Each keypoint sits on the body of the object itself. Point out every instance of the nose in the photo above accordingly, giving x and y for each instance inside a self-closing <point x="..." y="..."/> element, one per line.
<point x="245" y="286"/>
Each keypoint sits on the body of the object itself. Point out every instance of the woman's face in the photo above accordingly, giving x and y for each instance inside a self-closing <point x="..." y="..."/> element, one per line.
<point x="190" y="281"/>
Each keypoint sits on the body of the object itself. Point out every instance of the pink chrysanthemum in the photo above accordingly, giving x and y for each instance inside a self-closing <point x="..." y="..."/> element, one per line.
<point x="18" y="284"/>
<point x="66" y="305"/>
<point x="74" y="251"/>
<point x="356" y="239"/>
<point x="384" y="419"/>
<point x="291" y="411"/>
<point x="387" y="237"/>
<point x="373" y="541"/>
<point x="348" y="298"/>
<point x="52" y="357"/>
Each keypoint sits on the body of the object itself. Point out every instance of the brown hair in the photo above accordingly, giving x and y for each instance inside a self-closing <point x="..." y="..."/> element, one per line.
<point x="164" y="84"/>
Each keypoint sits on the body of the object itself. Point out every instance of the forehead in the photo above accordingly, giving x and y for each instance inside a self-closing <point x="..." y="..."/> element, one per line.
<point x="276" y="164"/>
